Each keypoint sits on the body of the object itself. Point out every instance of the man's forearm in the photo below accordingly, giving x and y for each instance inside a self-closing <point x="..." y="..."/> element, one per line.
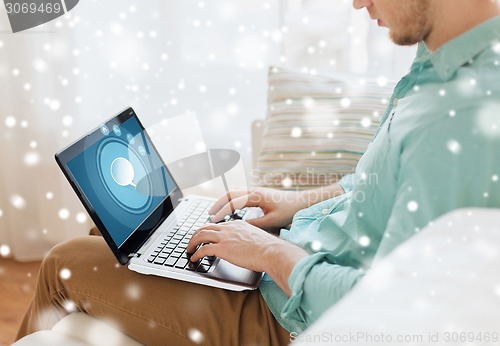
<point x="279" y="261"/>
<point x="322" y="194"/>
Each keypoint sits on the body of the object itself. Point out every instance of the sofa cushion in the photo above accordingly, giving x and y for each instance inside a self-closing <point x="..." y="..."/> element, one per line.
<point x="317" y="127"/>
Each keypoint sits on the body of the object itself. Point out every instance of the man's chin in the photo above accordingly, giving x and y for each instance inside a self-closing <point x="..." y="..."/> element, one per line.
<point x="403" y="40"/>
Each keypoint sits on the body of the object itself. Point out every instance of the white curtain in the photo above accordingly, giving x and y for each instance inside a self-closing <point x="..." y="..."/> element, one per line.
<point x="325" y="35"/>
<point x="162" y="57"/>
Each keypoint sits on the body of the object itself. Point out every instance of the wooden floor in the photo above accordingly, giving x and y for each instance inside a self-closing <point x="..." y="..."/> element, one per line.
<point x="17" y="287"/>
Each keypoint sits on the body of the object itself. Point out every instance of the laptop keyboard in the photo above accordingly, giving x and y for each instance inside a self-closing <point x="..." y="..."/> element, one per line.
<point x="171" y="252"/>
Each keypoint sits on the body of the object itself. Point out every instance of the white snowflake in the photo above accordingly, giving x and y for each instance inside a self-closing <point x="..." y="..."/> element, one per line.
<point x="54" y="105"/>
<point x="18" y="201"/>
<point x="4" y="250"/>
<point x="364" y="241"/>
<point x="366" y="122"/>
<point x="316" y="245"/>
<point x="67" y="120"/>
<point x="308" y="102"/>
<point x="382" y="81"/>
<point x="81" y="217"/>
<point x="31" y="158"/>
<point x="233" y="108"/>
<point x="10" y="121"/>
<point x="454" y="146"/>
<point x="496" y="47"/>
<point x="40" y="65"/>
<point x="286" y="182"/>
<point x="296" y="132"/>
<point x="412" y="206"/>
<point x="133" y="291"/>
<point x="195" y="335"/>
<point x="488" y="120"/>
<point x="200" y="147"/>
<point x="63" y="214"/>
<point x="345" y="102"/>
<point x="65" y="274"/>
<point x="69" y="306"/>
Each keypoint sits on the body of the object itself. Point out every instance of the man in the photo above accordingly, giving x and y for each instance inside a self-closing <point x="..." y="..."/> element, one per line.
<point x="436" y="150"/>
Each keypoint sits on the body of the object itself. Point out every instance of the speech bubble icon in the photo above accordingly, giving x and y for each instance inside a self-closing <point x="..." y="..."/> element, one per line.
<point x="27" y="14"/>
<point x="122" y="172"/>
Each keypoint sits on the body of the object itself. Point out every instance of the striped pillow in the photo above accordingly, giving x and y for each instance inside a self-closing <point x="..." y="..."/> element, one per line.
<point x="317" y="127"/>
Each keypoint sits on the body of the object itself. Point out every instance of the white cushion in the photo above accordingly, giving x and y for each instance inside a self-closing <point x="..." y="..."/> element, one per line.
<point x="317" y="127"/>
<point x="79" y="329"/>
<point x="444" y="280"/>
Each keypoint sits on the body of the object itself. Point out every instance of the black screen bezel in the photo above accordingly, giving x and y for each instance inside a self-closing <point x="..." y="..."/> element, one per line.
<point x="143" y="232"/>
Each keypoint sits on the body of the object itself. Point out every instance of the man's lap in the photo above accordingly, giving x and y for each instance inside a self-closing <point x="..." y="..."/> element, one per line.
<point x="154" y="309"/>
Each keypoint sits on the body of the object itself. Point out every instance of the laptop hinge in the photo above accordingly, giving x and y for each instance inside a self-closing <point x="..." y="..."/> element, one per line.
<point x="134" y="254"/>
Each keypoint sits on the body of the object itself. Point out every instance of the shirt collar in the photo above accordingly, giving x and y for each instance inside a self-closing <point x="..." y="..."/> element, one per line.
<point x="455" y="53"/>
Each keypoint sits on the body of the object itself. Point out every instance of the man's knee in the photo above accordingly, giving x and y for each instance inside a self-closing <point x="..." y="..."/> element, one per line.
<point x="64" y="252"/>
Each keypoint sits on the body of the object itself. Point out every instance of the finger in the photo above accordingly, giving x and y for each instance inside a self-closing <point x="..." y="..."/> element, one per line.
<point x="203" y="251"/>
<point x="204" y="236"/>
<point x="209" y="226"/>
<point x="260" y="222"/>
<point x="251" y="200"/>
<point x="223" y="200"/>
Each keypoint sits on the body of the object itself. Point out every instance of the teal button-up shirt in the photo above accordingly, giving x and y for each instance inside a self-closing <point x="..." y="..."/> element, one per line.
<point x="437" y="149"/>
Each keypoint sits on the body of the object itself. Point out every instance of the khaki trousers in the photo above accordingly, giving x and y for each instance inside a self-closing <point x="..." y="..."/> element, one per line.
<point x="83" y="275"/>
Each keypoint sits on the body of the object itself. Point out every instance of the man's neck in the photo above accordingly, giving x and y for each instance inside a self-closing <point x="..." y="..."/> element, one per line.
<point x="454" y="17"/>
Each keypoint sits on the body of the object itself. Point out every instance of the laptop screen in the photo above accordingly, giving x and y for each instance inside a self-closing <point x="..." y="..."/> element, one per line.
<point x="121" y="177"/>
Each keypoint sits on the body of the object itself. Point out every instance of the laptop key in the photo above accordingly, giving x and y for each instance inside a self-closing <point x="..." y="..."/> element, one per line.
<point x="202" y="268"/>
<point x="206" y="262"/>
<point x="159" y="260"/>
<point x="170" y="261"/>
<point x="181" y="263"/>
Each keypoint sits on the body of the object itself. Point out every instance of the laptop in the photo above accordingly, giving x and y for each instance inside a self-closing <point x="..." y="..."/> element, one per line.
<point x="141" y="212"/>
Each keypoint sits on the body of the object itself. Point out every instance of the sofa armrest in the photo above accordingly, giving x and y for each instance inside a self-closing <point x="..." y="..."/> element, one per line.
<point x="442" y="280"/>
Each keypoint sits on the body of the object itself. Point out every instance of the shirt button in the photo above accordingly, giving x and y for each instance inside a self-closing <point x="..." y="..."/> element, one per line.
<point x="325" y="211"/>
<point x="395" y="101"/>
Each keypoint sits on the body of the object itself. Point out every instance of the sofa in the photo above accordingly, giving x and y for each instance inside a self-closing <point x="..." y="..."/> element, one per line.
<point x="441" y="286"/>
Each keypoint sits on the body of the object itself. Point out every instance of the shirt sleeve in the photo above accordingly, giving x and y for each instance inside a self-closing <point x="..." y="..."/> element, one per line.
<point x="441" y="171"/>
<point x="314" y="280"/>
<point x="347" y="182"/>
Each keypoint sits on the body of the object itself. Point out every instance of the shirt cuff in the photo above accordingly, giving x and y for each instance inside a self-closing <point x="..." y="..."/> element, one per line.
<point x="292" y="310"/>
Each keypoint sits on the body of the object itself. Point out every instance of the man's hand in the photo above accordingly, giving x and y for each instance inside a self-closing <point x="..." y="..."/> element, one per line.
<point x="279" y="206"/>
<point x="249" y="247"/>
